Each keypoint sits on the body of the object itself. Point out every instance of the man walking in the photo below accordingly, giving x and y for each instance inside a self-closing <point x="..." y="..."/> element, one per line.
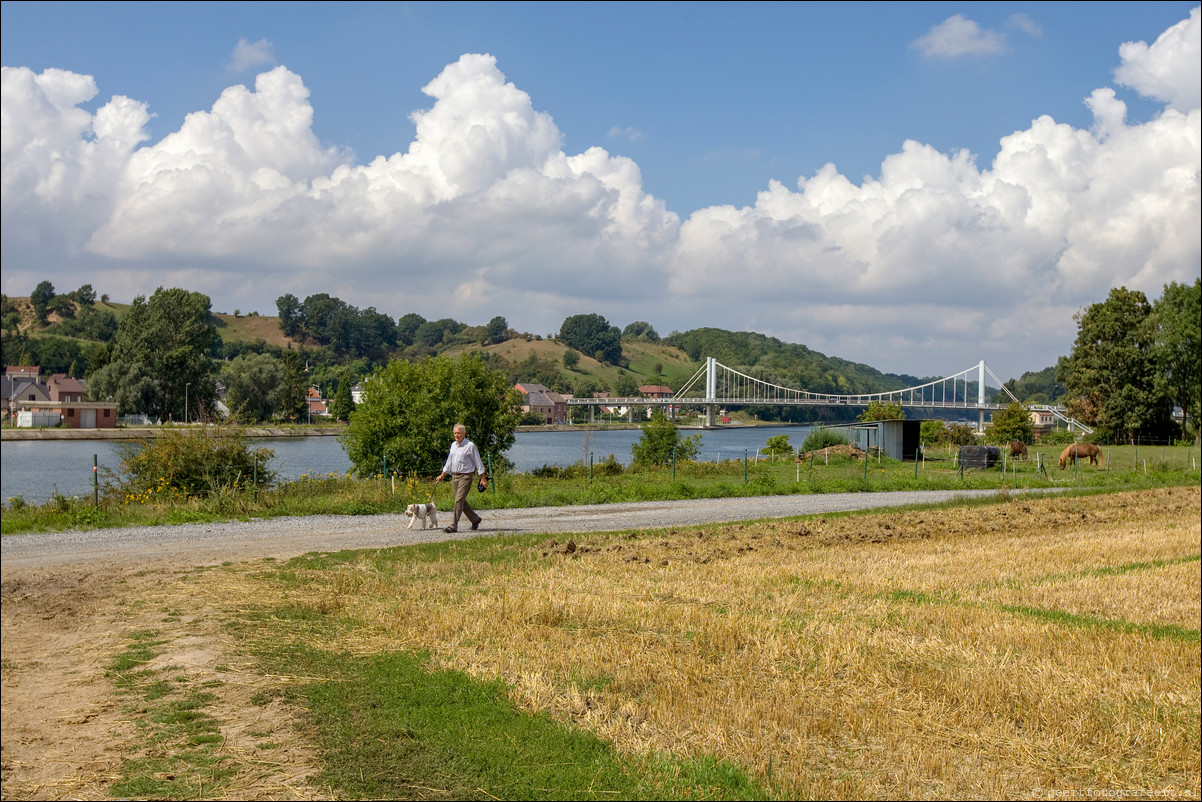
<point x="463" y="462"/>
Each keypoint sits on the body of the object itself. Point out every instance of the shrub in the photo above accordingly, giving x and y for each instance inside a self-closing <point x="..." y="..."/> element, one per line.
<point x="661" y="443"/>
<point x="608" y="467"/>
<point x="822" y="438"/>
<point x="193" y="463"/>
<point x="958" y="434"/>
<point x="777" y="446"/>
<point x="1058" y="437"/>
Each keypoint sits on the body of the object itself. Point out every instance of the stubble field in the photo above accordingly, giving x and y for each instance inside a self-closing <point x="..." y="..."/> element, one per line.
<point x="1033" y="648"/>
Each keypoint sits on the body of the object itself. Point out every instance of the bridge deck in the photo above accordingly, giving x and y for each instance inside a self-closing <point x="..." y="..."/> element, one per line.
<point x="834" y="401"/>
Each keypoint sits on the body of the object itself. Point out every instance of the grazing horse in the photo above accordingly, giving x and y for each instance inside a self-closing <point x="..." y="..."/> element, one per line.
<point x="1079" y="451"/>
<point x="1018" y="449"/>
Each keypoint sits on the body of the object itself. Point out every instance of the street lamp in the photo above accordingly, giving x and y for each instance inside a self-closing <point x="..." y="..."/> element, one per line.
<point x="186" y="386"/>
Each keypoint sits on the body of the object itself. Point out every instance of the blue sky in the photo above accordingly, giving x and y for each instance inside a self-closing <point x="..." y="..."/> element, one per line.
<point x="689" y="112"/>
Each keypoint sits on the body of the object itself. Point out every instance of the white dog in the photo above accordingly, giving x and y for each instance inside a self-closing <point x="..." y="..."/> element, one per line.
<point x="424" y="513"/>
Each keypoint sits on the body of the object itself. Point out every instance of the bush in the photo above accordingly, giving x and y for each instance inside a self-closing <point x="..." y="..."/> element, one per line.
<point x="777" y="446"/>
<point x="192" y="463"/>
<point x="1057" y="437"/>
<point x="958" y="434"/>
<point x="822" y="438"/>
<point x="661" y="443"/>
<point x="608" y="467"/>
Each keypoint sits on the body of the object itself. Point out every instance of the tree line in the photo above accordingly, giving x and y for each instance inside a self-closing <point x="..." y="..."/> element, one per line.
<point x="1132" y="362"/>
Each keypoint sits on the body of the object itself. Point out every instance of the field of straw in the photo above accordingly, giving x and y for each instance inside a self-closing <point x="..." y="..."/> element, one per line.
<point x="1028" y="649"/>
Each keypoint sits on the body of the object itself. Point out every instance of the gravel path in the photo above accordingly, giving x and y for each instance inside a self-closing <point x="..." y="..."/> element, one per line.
<point x="288" y="537"/>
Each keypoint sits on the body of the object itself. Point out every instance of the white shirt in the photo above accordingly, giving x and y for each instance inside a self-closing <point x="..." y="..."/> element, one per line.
<point x="464" y="458"/>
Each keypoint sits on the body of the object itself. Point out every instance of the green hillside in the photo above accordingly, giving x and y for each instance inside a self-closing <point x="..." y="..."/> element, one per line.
<point x="69" y="339"/>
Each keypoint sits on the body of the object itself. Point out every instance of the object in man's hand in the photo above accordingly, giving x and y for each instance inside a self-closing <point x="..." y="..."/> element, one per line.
<point x="480" y="487"/>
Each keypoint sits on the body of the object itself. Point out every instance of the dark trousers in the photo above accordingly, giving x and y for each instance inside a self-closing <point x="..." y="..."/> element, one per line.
<point x="461" y="483"/>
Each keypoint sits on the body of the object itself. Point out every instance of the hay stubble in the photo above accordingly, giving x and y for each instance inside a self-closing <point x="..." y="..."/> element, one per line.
<point x="978" y="651"/>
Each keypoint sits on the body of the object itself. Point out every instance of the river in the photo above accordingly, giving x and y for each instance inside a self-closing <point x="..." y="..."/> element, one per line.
<point x="37" y="469"/>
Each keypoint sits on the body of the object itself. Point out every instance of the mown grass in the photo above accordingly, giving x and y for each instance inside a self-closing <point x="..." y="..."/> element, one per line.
<point x="177" y="752"/>
<point x="392" y="728"/>
<point x="1023" y="647"/>
<point x="1125" y="467"/>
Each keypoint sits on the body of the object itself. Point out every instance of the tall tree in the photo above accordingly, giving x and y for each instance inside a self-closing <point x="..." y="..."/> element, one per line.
<point x="252" y="386"/>
<point x="85" y="295"/>
<point x="1113" y="377"/>
<point x="135" y="392"/>
<point x="291" y="315"/>
<point x="291" y="399"/>
<point x="640" y="330"/>
<point x="495" y="331"/>
<point x="408" y="410"/>
<point x="171" y="337"/>
<point x="591" y="334"/>
<point x="407" y="326"/>
<point x="343" y="403"/>
<point x="1178" y="317"/>
<point x="41" y="297"/>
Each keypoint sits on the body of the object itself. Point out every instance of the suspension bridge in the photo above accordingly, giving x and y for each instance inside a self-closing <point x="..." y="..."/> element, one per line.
<point x="715" y="386"/>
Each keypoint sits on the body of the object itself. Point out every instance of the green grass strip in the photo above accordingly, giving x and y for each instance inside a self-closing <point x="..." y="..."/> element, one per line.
<point x="1164" y="631"/>
<point x="177" y="753"/>
<point x="392" y="729"/>
<point x="1106" y="570"/>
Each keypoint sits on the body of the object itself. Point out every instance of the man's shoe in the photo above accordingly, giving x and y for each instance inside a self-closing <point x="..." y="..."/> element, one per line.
<point x="475" y="526"/>
<point x="450" y="529"/>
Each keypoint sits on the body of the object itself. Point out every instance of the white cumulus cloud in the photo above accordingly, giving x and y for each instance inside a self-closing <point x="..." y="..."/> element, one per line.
<point x="251" y="54"/>
<point x="1168" y="69"/>
<point x="959" y="36"/>
<point x="937" y="260"/>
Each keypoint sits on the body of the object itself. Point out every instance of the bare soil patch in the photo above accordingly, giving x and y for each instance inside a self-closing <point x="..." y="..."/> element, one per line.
<point x="66" y="730"/>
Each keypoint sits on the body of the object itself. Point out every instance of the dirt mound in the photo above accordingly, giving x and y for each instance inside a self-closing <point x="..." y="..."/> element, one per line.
<point x="847" y="450"/>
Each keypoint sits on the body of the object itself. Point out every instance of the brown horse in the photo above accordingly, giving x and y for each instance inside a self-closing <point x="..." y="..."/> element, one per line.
<point x="1080" y="451"/>
<point x="1018" y="449"/>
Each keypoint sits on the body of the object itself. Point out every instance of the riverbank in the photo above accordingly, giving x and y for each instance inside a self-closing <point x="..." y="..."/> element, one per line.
<point x="331" y="430"/>
<point x="138" y="433"/>
<point x="602" y="427"/>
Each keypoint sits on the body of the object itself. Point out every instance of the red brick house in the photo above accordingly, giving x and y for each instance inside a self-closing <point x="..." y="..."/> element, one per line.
<point x="541" y="401"/>
<point x="64" y="388"/>
<point x="655" y="391"/>
<point x="60" y="396"/>
<point x="317" y="404"/>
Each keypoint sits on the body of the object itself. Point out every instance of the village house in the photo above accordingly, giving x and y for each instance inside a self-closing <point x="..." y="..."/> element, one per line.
<point x="22" y="383"/>
<point x="539" y="400"/>
<point x="1042" y="422"/>
<point x="316" y="404"/>
<point x="59" y="400"/>
<point x="659" y="391"/>
<point x="64" y="388"/>
<point x="655" y="391"/>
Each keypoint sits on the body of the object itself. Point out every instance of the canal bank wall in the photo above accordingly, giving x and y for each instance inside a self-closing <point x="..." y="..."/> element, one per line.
<point x="139" y="433"/>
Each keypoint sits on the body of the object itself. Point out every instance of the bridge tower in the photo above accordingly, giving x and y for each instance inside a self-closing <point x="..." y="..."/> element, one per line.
<point x="711" y="391"/>
<point x="981" y="396"/>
